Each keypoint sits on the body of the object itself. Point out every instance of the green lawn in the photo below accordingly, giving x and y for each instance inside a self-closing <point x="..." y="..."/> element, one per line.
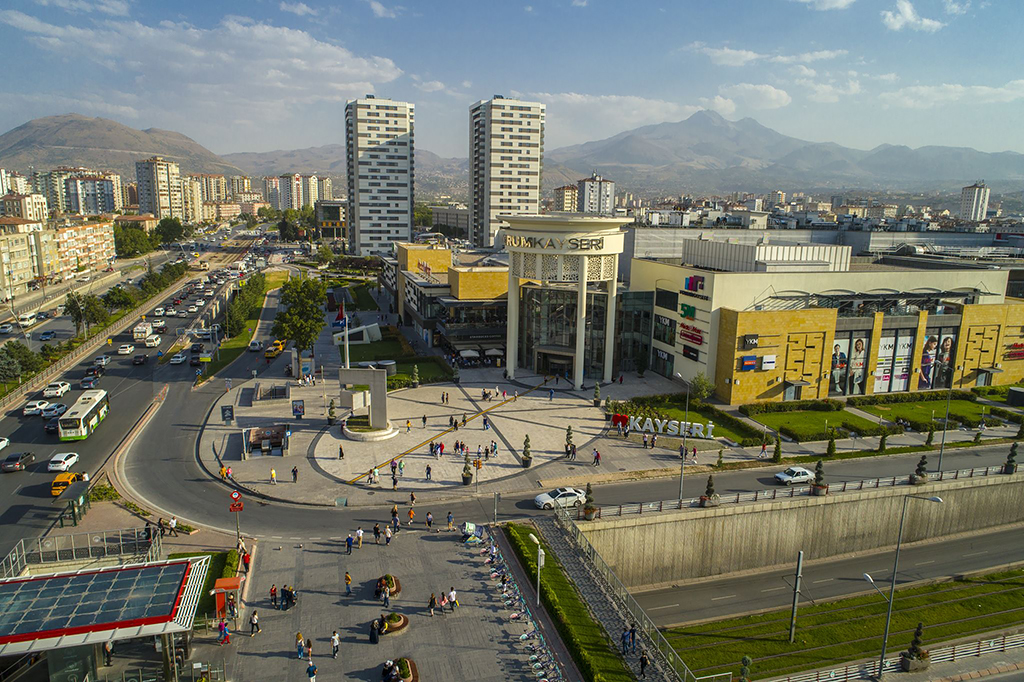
<point x="385" y="349"/>
<point x="677" y="411"/>
<point x="363" y="298"/>
<point x="830" y="634"/>
<point x="923" y="411"/>
<point x="810" y="425"/>
<point x="594" y="653"/>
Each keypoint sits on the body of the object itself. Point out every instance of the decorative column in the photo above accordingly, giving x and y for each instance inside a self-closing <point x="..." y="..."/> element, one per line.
<point x="581" y="324"/>
<point x="609" y="324"/>
<point x="512" y="326"/>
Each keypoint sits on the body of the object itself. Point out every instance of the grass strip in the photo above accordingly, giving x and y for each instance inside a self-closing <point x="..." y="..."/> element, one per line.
<point x="222" y="565"/>
<point x="834" y="633"/>
<point x="588" y="644"/>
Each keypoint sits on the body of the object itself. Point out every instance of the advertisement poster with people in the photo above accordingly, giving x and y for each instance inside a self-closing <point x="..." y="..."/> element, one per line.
<point x="858" y="365"/>
<point x="840" y="352"/>
<point x="942" y="369"/>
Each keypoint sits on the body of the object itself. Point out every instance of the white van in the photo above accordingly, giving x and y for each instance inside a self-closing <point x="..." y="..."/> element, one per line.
<point x="26" y="319"/>
<point x="159" y="312"/>
<point x="152" y="341"/>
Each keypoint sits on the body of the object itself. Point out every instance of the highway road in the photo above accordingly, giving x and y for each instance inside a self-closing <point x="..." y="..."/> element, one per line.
<point x="26" y="507"/>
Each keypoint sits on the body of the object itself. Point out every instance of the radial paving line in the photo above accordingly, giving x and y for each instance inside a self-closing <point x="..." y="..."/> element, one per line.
<point x="446" y="431"/>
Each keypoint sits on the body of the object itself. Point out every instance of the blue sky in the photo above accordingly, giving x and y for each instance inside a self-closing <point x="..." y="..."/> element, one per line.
<point x="274" y="74"/>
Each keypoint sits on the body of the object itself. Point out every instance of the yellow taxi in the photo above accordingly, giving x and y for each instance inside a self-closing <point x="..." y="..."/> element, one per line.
<point x="63" y="480"/>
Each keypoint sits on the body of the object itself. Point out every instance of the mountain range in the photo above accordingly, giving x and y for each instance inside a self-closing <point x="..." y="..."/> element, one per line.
<point x="704" y="152"/>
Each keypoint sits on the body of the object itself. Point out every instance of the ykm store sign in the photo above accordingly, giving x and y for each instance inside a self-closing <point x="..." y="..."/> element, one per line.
<point x="667" y="427"/>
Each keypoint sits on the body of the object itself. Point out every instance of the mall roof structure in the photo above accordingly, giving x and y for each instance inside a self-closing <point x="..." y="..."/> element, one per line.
<point x="39" y="613"/>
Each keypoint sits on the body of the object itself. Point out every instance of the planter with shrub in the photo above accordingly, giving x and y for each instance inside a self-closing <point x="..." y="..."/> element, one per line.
<point x="396" y="623"/>
<point x="589" y="508"/>
<point x="407" y="670"/>
<point x="467" y="472"/>
<point x="1011" y="461"/>
<point x="915" y="658"/>
<point x="710" y="498"/>
<point x="527" y="456"/>
<point x="597" y="394"/>
<point x="819" y="488"/>
<point x="920" y="475"/>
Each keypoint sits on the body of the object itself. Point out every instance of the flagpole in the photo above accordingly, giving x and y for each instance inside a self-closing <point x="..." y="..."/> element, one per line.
<point x="346" y="343"/>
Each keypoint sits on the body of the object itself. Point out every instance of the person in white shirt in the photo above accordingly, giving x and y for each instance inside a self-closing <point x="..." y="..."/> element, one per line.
<point x="173" y="526"/>
<point x="335" y="643"/>
<point x="452" y="599"/>
<point x="359" y="537"/>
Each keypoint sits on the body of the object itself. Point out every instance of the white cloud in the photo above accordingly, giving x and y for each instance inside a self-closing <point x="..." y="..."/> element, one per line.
<point x="808" y="57"/>
<point x="954" y="7"/>
<point x="431" y="86"/>
<point x="298" y="8"/>
<point x="467" y="84"/>
<point x="887" y="77"/>
<point x="723" y="105"/>
<point x="580" y="3"/>
<point x="827" y="93"/>
<point x="117" y="8"/>
<point x="381" y="11"/>
<point x="803" y="71"/>
<point x="828" y="4"/>
<point x="906" y="16"/>
<point x="176" y="86"/>
<point x="928" y="96"/>
<point x="762" y="96"/>
<point x="111" y="103"/>
<point x="528" y="9"/>
<point x="727" y="56"/>
<point x="574" y="117"/>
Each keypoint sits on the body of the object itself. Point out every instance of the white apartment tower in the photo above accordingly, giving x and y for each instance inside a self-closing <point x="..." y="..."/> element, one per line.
<point x="291" y="191"/>
<point x="506" y="153"/>
<point x="325" y="188"/>
<point x="192" y="199"/>
<point x="565" y="199"/>
<point x="379" y="135"/>
<point x="974" y="202"/>
<point x="310" y="190"/>
<point x="272" y="192"/>
<point x="240" y="183"/>
<point x="159" y="187"/>
<point x="595" y="195"/>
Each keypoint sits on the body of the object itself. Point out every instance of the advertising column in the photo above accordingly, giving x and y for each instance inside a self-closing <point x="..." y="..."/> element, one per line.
<point x="512" y="331"/>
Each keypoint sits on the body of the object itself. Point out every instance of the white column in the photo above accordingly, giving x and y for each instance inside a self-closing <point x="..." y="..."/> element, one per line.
<point x="581" y="324"/>
<point x="609" y="325"/>
<point x="512" y="327"/>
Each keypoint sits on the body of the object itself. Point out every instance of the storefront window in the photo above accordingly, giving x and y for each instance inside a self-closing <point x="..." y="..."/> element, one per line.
<point x="937" y="358"/>
<point x="849" y="360"/>
<point x="664" y="363"/>
<point x="892" y="374"/>
<point x="665" y="330"/>
<point x="669" y="300"/>
<point x="547" y="336"/>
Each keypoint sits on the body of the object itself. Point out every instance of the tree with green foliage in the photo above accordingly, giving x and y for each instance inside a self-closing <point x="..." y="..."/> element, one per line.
<point x="777" y="452"/>
<point x="422" y="215"/>
<point x="526" y="448"/>
<point x="709" y="490"/>
<point x="1011" y="459"/>
<point x="931" y="434"/>
<point x="130" y="242"/>
<point x="28" y="360"/>
<point x="915" y="651"/>
<point x="701" y="387"/>
<point x="830" y="451"/>
<point x="881" y="443"/>
<point x="301" y="320"/>
<point x="95" y="312"/>
<point x="10" y="370"/>
<point x="416" y="374"/>
<point x="75" y="310"/>
<point x="324" y="255"/>
<point x="568" y="435"/>
<point x="118" y="298"/>
<point x="1020" y="431"/>
<point x="745" y="664"/>
<point x="170" y="230"/>
<point x="269" y="214"/>
<point x="819" y="473"/>
<point x="922" y="466"/>
<point x="288" y="230"/>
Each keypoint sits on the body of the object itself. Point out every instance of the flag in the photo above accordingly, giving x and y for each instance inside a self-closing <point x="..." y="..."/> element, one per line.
<point x="340" y="321"/>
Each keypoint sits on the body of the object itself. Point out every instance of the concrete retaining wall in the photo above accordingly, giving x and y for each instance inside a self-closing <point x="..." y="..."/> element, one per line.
<point x="666" y="547"/>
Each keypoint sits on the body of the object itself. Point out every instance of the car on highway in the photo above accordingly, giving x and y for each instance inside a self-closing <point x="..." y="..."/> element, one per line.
<point x="794" y="475"/>
<point x="177" y="301"/>
<point x="200" y="302"/>
<point x="140" y="359"/>
<point x="178" y="359"/>
<point x="53" y="410"/>
<point x="159" y="326"/>
<point x="62" y="461"/>
<point x="4" y="442"/>
<point x="125" y="349"/>
<point x="272" y="352"/>
<point x="255" y="346"/>
<point x="159" y="312"/>
<point x="197" y="348"/>
<point x="95" y="371"/>
<point x="47" y="335"/>
<point x="152" y="341"/>
<point x="183" y="313"/>
<point x="89" y="382"/>
<point x="560" y="497"/>
<point x="192" y="309"/>
<point x="101" y="360"/>
<point x="56" y="389"/>
<point x="195" y="361"/>
<point x="52" y="426"/>
<point x="17" y="461"/>
<point x="6" y="328"/>
<point x="35" y="407"/>
<point x="171" y="312"/>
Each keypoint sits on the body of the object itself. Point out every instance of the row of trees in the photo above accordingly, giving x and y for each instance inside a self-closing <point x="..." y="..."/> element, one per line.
<point x="130" y="242"/>
<point x="248" y="301"/>
<point x="300" y="317"/>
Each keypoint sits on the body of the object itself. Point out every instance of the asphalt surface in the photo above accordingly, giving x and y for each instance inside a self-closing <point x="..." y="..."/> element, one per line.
<point x="27" y="509"/>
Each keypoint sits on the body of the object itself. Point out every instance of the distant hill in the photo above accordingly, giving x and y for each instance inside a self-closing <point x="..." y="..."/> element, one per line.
<point x="75" y="140"/>
<point x="708" y="152"/>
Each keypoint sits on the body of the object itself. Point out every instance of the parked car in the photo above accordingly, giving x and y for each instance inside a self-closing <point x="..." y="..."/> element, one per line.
<point x="178" y="359"/>
<point x="53" y="410"/>
<point x="794" y="475"/>
<point x="35" y="407"/>
<point x="17" y="461"/>
<point x="140" y="359"/>
<point x="62" y="461"/>
<point x="56" y="389"/>
<point x="560" y="497"/>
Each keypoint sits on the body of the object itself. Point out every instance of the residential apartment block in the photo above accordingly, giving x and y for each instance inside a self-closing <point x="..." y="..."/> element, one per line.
<point x="30" y="206"/>
<point x="192" y="199"/>
<point x="88" y="245"/>
<point x="310" y="190"/>
<point x="506" y="153"/>
<point x="595" y="195"/>
<point x="92" y="194"/>
<point x="159" y="186"/>
<point x="290" y="191"/>
<point x="325" y="188"/>
<point x="17" y="265"/>
<point x="380" y="173"/>
<point x="214" y="187"/>
<point x="239" y="184"/>
<point x="272" y="192"/>
<point x="565" y="199"/>
<point x="974" y="202"/>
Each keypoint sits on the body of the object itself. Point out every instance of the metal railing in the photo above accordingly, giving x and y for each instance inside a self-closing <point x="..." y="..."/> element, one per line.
<point x="789" y="491"/>
<point x="140" y="544"/>
<point x="659" y="645"/>
<point x="189" y="672"/>
<point x="954" y="652"/>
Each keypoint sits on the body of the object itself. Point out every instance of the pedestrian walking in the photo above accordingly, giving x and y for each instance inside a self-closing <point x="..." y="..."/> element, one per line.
<point x="451" y="521"/>
<point x="311" y="671"/>
<point x="645" y="441"/>
<point x="428" y="472"/>
<point x="229" y="474"/>
<point x="572" y="452"/>
<point x="401" y="468"/>
<point x="654" y="440"/>
<point x="341" y="452"/>
<point x="309" y="650"/>
<point x="254" y="623"/>
<point x="430" y="520"/>
<point x="223" y="632"/>
<point x="172" y="526"/>
<point x="273" y="596"/>
<point x="412" y="515"/>
<point x="424" y="421"/>
<point x="394" y="466"/>
<point x="551" y="394"/>
<point x="408" y="425"/>
<point x="246" y="561"/>
<point x="387" y="595"/>
<point x="644" y="662"/>
<point x="348" y="584"/>
<point x="223" y="472"/>
<point x="618" y="429"/>
<point x="453" y="599"/>
<point x="295" y="474"/>
<point x="359" y="537"/>
<point x="412" y="499"/>
<point x="632" y="638"/>
<point x="394" y="482"/>
<point x="694" y="454"/>
<point x="335" y="643"/>
<point x="764" y="450"/>
<point x="161" y="526"/>
<point x="376" y="533"/>
<point x="494" y="448"/>
<point x="376" y="474"/>
<point x="348" y="544"/>
<point x="431" y="605"/>
<point x="273" y="476"/>
<point x="300" y="645"/>
<point x="387" y="535"/>
<point x="625" y="640"/>
<point x="597" y="458"/>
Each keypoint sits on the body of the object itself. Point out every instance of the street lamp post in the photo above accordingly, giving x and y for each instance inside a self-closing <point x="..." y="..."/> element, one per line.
<point x="540" y="564"/>
<point x="895" y="568"/>
<point x="945" y="424"/>
<point x="685" y="428"/>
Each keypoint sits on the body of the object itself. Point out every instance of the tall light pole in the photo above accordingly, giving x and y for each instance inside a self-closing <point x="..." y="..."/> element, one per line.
<point x="945" y="424"/>
<point x="895" y="568"/>
<point x="685" y="427"/>
<point x="540" y="564"/>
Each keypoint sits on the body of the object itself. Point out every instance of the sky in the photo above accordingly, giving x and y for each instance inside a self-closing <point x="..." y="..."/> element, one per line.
<point x="274" y="74"/>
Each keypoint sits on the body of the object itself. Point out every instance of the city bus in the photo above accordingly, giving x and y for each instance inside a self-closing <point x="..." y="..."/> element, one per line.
<point x="84" y="416"/>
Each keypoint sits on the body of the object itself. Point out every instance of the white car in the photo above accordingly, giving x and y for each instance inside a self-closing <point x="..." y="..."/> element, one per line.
<point x="102" y="360"/>
<point x="200" y="302"/>
<point x="35" y="407"/>
<point x="62" y="461"/>
<point x="159" y="312"/>
<point x="560" y="497"/>
<point x="53" y="410"/>
<point x="794" y="475"/>
<point x="4" y="442"/>
<point x="192" y="309"/>
<point x="178" y="359"/>
<point x="171" y="312"/>
<point x="152" y="341"/>
<point x="184" y="313"/>
<point x="125" y="349"/>
<point x="56" y="389"/>
<point x="6" y="328"/>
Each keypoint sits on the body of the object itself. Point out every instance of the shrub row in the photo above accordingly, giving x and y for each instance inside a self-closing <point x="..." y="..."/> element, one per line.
<point x="749" y="436"/>
<point x="793" y="406"/>
<point x="889" y="398"/>
<point x="648" y="406"/>
<point x="1008" y="415"/>
<point x="869" y="429"/>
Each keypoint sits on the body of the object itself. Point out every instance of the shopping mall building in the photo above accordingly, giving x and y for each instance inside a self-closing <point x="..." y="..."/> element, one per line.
<point x="764" y="318"/>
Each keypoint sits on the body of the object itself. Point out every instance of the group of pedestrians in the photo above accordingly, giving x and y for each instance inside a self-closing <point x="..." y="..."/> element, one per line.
<point x="628" y="640"/>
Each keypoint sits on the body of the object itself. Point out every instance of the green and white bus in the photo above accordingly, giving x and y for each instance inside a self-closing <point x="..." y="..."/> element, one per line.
<point x="84" y="416"/>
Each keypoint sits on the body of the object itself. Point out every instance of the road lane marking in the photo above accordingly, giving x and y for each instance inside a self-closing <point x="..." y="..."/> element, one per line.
<point x="775" y="589"/>
<point x="825" y="580"/>
<point x="984" y="551"/>
<point x="728" y="596"/>
<point x="924" y="563"/>
<point x="655" y="608"/>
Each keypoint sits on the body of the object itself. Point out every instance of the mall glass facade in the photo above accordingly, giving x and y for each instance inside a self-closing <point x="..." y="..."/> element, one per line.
<point x="547" y="330"/>
<point x="633" y="324"/>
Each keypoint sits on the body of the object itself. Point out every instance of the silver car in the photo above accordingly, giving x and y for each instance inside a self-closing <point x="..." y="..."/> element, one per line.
<point x="560" y="497"/>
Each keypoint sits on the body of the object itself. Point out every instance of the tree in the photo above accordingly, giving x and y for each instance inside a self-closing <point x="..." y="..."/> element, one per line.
<point x="170" y="230"/>
<point x="709" y="490"/>
<point x="922" y="466"/>
<point x="302" y="320"/>
<point x="931" y="434"/>
<point x="568" y="435"/>
<point x="94" y="310"/>
<point x="1011" y="459"/>
<point x="819" y="473"/>
<point x="75" y="310"/>
<point x="777" y="452"/>
<point x="324" y="255"/>
<point x="118" y="298"/>
<point x="422" y="215"/>
<point x="9" y="367"/>
<point x="830" y="451"/>
<point x="1020" y="431"/>
<point x="526" y="448"/>
<point x="701" y="387"/>
<point x="745" y="664"/>
<point x="881" y="443"/>
<point x="131" y="241"/>
<point x="915" y="651"/>
<point x="29" y="361"/>
<point x="287" y="229"/>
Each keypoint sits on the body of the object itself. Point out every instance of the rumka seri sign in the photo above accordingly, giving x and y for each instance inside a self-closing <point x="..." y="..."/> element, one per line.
<point x="570" y="244"/>
<point x="666" y="427"/>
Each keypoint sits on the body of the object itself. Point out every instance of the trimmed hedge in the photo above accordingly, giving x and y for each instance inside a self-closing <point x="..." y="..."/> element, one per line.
<point x="793" y="406"/>
<point x="590" y="647"/>
<point x="887" y="398"/>
<point x="648" y="405"/>
<point x="869" y="429"/>
<point x="1008" y="415"/>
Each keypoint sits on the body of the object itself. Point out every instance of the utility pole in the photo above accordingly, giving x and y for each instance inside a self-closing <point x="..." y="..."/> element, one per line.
<point x="497" y="496"/>
<point x="796" y="595"/>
